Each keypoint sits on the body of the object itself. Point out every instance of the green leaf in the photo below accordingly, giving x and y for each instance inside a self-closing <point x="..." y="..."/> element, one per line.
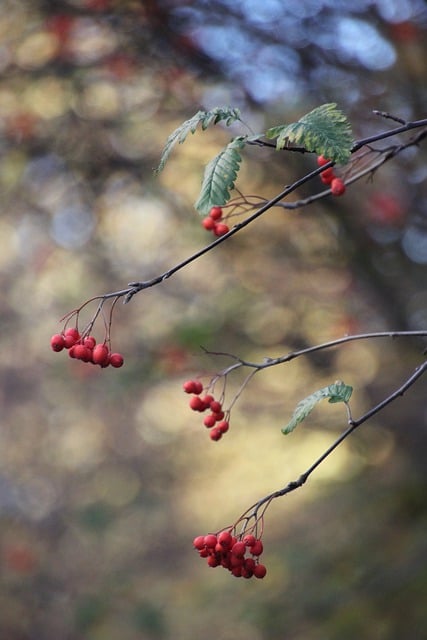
<point x="325" y="131"/>
<point x="336" y="392"/>
<point x="203" y="118"/>
<point x="220" y="175"/>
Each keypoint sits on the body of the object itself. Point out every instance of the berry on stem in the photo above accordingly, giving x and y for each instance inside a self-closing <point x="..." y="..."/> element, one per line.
<point x="220" y="229"/>
<point x="116" y="360"/>
<point x="337" y="187"/>
<point x="208" y="223"/>
<point x="215" y="213"/>
<point x="321" y="161"/>
<point x="57" y="342"/>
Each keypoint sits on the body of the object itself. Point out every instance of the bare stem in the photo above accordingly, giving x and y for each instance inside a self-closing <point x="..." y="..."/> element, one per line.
<point x="253" y="511"/>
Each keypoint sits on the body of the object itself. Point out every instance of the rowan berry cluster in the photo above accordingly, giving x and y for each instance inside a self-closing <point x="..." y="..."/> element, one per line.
<point x="213" y="223"/>
<point x="328" y="177"/>
<point x="85" y="348"/>
<point x="238" y="554"/>
<point x="216" y="420"/>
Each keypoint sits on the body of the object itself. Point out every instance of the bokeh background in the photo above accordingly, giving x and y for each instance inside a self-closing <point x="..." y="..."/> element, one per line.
<point x="106" y="476"/>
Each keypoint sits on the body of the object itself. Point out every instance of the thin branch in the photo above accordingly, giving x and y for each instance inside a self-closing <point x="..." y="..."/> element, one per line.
<point x="252" y="512"/>
<point x="271" y="362"/>
<point x="136" y="287"/>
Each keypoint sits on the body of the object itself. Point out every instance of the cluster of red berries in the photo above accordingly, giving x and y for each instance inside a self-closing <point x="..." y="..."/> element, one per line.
<point x="85" y="348"/>
<point x="328" y="177"/>
<point x="240" y="555"/>
<point x="213" y="223"/>
<point x="215" y="420"/>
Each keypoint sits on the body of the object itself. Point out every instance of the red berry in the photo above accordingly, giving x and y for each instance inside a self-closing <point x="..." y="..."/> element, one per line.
<point x="215" y="213"/>
<point x="321" y="161"/>
<point x="220" y="229"/>
<point x="116" y="360"/>
<point x="215" y="406"/>
<point x="225" y="539"/>
<point x="57" y="342"/>
<point x="209" y="421"/>
<point x="210" y="541"/>
<point x="212" y="561"/>
<point x="199" y="542"/>
<point x="74" y="332"/>
<point x="208" y="223"/>
<point x="249" y="540"/>
<point x="100" y="355"/>
<point x="192" y="386"/>
<point x="206" y="401"/>
<point x="337" y="187"/>
<point x="197" y="404"/>
<point x="257" y="548"/>
<point x="69" y="341"/>
<point x="238" y="549"/>
<point x="327" y="176"/>
<point x="89" y="342"/>
<point x="215" y="434"/>
<point x="260" y="571"/>
<point x="198" y="387"/>
<point x="223" y="426"/>
<point x="188" y="386"/>
<point x="82" y="353"/>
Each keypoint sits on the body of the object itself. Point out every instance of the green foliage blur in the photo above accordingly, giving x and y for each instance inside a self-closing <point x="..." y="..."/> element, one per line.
<point x="106" y="476"/>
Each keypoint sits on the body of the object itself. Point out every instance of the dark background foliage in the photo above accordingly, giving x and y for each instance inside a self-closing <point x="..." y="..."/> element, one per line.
<point x="106" y="476"/>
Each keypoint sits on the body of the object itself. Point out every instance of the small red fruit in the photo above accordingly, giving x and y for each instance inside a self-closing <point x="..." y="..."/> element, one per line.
<point x="249" y="540"/>
<point x="215" y="434"/>
<point x="215" y="213"/>
<point x="223" y="426"/>
<point x="257" y="548"/>
<point x="221" y="229"/>
<point x="100" y="354"/>
<point x="337" y="187"/>
<point x="199" y="542"/>
<point x="192" y="386"/>
<point x="225" y="539"/>
<point x="209" y="421"/>
<point x="260" y="571"/>
<point x="327" y="176"/>
<point x="116" y="360"/>
<point x="72" y="331"/>
<point x="208" y="223"/>
<point x="210" y="541"/>
<point x="215" y="406"/>
<point x="57" y="342"/>
<point x="238" y="549"/>
<point x="82" y="353"/>
<point x="197" y="404"/>
<point x="89" y="342"/>
<point x="69" y="341"/>
<point x="321" y="161"/>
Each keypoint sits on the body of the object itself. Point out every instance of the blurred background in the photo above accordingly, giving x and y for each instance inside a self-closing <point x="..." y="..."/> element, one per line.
<point x="106" y="476"/>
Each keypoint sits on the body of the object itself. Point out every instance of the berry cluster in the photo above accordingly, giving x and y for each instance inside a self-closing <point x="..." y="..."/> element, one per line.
<point x="240" y="555"/>
<point x="85" y="348"/>
<point x="215" y="420"/>
<point x="213" y="223"/>
<point x="328" y="177"/>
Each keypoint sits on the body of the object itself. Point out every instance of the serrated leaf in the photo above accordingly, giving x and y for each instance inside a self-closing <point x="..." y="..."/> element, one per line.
<point x="203" y="118"/>
<point x="220" y="175"/>
<point x="325" y="131"/>
<point x="336" y="392"/>
<point x="339" y="392"/>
